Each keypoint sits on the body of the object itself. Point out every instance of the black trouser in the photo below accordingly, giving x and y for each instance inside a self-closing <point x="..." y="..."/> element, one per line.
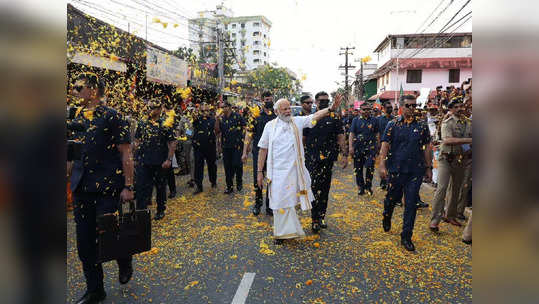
<point x="409" y="184"/>
<point x="258" y="191"/>
<point x="149" y="176"/>
<point x="87" y="206"/>
<point x="383" y="182"/>
<point x="233" y="166"/>
<point x="363" y="159"/>
<point x="207" y="153"/>
<point x="171" y="180"/>
<point x="320" y="172"/>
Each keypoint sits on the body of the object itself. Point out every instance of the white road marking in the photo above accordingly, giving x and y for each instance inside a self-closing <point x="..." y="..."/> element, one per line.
<point x="243" y="289"/>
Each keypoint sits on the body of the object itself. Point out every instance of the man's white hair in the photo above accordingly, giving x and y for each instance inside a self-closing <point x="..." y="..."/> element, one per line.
<point x="277" y="105"/>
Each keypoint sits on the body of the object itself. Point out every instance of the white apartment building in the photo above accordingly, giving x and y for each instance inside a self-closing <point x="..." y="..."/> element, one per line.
<point x="248" y="35"/>
<point x="423" y="61"/>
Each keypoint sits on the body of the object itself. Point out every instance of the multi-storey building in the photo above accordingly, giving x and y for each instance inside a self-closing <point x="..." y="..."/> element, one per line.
<point x="416" y="61"/>
<point x="249" y="36"/>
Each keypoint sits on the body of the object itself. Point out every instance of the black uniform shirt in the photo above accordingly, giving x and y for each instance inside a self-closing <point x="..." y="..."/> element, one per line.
<point x="258" y="126"/>
<point x="321" y="140"/>
<point x="232" y="131"/>
<point x="100" y="167"/>
<point x="365" y="131"/>
<point x="204" y="132"/>
<point x="407" y="144"/>
<point x="154" y="139"/>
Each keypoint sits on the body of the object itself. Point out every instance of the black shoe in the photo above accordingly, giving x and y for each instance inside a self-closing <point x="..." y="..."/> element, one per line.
<point x="399" y="203"/>
<point x="361" y="192"/>
<point x="386" y="223"/>
<point x="190" y="184"/>
<point x="278" y="241"/>
<point x="197" y="191"/>
<point x="323" y="224"/>
<point x="93" y="297"/>
<point x="229" y="191"/>
<point x="256" y="210"/>
<point x="369" y="191"/>
<point x="125" y="275"/>
<point x="159" y="215"/>
<point x="239" y="188"/>
<point x="383" y="187"/>
<point x="315" y="227"/>
<point x="422" y="204"/>
<point x="269" y="212"/>
<point x="467" y="242"/>
<point x="172" y="195"/>
<point x="408" y="244"/>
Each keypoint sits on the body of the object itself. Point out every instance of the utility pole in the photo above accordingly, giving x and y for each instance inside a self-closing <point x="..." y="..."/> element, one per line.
<point x="347" y="51"/>
<point x="361" y="87"/>
<point x="146" y="27"/>
<point x="220" y="60"/>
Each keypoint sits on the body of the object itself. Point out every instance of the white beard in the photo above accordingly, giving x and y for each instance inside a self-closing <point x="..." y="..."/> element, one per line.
<point x="285" y="118"/>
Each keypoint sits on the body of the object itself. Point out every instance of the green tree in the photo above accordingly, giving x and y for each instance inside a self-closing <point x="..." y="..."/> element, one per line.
<point x="274" y="79"/>
<point x="186" y="54"/>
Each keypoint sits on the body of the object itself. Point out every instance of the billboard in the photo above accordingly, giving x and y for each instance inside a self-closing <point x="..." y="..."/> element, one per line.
<point x="165" y="68"/>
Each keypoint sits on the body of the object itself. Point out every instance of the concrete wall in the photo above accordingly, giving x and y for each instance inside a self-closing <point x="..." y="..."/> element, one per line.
<point x="430" y="78"/>
<point x="388" y="53"/>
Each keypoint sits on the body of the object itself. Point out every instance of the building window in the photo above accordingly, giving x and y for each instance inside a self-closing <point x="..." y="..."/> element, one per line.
<point x="256" y="61"/>
<point x="265" y="62"/>
<point x="256" y="52"/>
<point x="256" y="24"/>
<point x="413" y="76"/>
<point x="264" y="36"/>
<point x="454" y="75"/>
<point x="243" y="25"/>
<point x="233" y="35"/>
<point x="233" y="25"/>
<point x="256" y="34"/>
<point x="264" y="54"/>
<point x="256" y="42"/>
<point x="243" y="43"/>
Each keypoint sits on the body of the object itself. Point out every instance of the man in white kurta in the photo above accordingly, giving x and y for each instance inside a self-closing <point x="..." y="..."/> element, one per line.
<point x="288" y="178"/>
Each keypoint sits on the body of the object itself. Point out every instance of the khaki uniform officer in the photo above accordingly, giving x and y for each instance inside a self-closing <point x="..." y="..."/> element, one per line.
<point x="456" y="133"/>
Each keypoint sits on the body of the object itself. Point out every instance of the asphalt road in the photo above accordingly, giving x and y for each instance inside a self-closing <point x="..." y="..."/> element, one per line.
<point x="206" y="244"/>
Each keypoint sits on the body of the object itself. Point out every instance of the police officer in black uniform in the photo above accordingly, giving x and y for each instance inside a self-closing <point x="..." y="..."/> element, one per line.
<point x="383" y="120"/>
<point x="405" y="160"/>
<point x="231" y="126"/>
<point x="321" y="151"/>
<point x="363" y="143"/>
<point x="155" y="148"/>
<point x="253" y="134"/>
<point x="204" y="145"/>
<point x="102" y="176"/>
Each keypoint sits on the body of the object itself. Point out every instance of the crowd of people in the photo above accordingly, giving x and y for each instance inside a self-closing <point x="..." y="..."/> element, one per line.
<point x="112" y="158"/>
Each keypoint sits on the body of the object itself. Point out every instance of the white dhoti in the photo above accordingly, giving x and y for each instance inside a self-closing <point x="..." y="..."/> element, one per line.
<point x="289" y="180"/>
<point x="287" y="225"/>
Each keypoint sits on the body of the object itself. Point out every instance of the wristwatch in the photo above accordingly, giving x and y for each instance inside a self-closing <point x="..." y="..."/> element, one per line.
<point x="130" y="187"/>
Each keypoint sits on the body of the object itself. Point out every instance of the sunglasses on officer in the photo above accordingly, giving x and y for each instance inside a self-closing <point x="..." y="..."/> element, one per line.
<point x="410" y="105"/>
